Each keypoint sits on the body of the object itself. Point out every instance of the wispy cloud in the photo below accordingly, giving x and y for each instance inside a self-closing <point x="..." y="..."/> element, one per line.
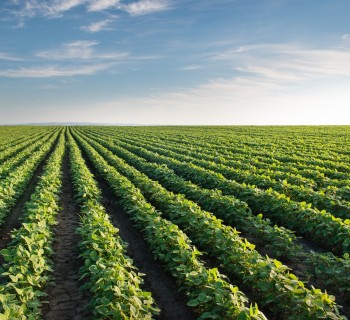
<point x="287" y="62"/>
<point x="8" y="57"/>
<point x="53" y="8"/>
<point x="80" y="50"/>
<point x="53" y="71"/>
<point x="146" y="6"/>
<point x="56" y="8"/>
<point x="192" y="67"/>
<point x="100" y="5"/>
<point x="97" y="26"/>
<point x="59" y="6"/>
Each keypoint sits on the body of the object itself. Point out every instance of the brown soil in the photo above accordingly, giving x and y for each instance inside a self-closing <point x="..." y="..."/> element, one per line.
<point x="173" y="304"/>
<point x="65" y="299"/>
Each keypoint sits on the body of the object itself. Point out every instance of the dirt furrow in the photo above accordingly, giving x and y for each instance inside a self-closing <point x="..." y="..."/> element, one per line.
<point x="65" y="299"/>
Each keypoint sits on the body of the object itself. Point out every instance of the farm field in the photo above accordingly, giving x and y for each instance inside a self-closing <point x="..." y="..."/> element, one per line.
<point x="216" y="222"/>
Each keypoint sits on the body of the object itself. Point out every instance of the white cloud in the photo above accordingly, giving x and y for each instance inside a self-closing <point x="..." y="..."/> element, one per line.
<point x="56" y="8"/>
<point x="80" y="50"/>
<point x="287" y="62"/>
<point x="53" y="71"/>
<point x="53" y="8"/>
<point x="59" y="6"/>
<point x="97" y="26"/>
<point x="7" y="57"/>
<point x="191" y="67"/>
<point x="146" y="6"/>
<point x="99" y="5"/>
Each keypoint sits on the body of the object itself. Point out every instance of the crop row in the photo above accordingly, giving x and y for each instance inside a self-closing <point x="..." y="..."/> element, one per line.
<point x="262" y="179"/>
<point x="110" y="274"/>
<point x="277" y="241"/>
<point x="331" y="232"/>
<point x="208" y="291"/>
<point x="16" y="182"/>
<point x="16" y="137"/>
<point x="10" y="151"/>
<point x="28" y="264"/>
<point x="268" y="278"/>
<point x="329" y="167"/>
<point x="312" y="176"/>
<point x="10" y="164"/>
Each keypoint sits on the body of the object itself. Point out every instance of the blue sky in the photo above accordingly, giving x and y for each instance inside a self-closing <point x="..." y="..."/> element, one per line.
<point x="175" y="61"/>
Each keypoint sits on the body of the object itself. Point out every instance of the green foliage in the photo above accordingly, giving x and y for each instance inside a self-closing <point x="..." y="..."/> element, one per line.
<point x="109" y="273"/>
<point x="322" y="226"/>
<point x="172" y="247"/>
<point x="15" y="183"/>
<point x="28" y="265"/>
<point x="270" y="279"/>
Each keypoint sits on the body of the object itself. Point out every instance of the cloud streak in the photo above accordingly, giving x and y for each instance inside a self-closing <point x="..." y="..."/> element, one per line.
<point x="56" y="8"/>
<point x="53" y="71"/>
<point x="191" y="67"/>
<point x="8" y="57"/>
<point x="100" y="5"/>
<point x="80" y="50"/>
<point x="97" y="26"/>
<point x="146" y="6"/>
<point x="53" y="8"/>
<point x="286" y="62"/>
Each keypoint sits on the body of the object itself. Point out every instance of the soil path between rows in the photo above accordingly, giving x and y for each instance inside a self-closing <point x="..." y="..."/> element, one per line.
<point x="172" y="303"/>
<point x="65" y="299"/>
<point x="13" y="219"/>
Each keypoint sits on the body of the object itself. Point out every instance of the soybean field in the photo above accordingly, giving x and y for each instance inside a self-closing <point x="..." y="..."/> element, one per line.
<point x="175" y="222"/>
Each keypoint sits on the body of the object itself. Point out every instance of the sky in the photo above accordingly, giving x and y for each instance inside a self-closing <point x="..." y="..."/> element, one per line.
<point x="210" y="62"/>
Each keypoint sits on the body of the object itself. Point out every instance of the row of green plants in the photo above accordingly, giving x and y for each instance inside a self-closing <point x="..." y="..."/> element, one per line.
<point x="14" y="185"/>
<point x="330" y="232"/>
<point x="269" y="279"/>
<point x="330" y="188"/>
<point x="278" y="242"/>
<point x="331" y="168"/>
<point x="281" y="141"/>
<point x="239" y="161"/>
<point x="280" y="171"/>
<point x="289" y="152"/>
<point x="12" y="150"/>
<point x="333" y="272"/>
<point x="340" y="189"/>
<point x="18" y="136"/>
<point x="320" y="174"/>
<point x="316" y="176"/>
<point x="262" y="179"/>
<point x="108" y="272"/>
<point x="208" y="291"/>
<point x="28" y="263"/>
<point x="10" y="164"/>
